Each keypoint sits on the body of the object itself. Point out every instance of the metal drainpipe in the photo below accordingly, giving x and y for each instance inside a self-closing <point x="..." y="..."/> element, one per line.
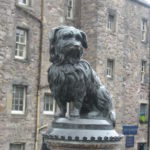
<point x="39" y="78"/>
<point x="148" y="124"/>
<point x="79" y="14"/>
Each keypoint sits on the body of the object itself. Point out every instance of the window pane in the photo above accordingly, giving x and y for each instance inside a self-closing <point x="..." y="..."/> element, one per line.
<point x="17" y="38"/>
<point x="21" y="107"/>
<point x="21" y="102"/>
<point x="143" y="65"/>
<point x="144" y="30"/>
<point x="16" y="101"/>
<point x="141" y="146"/>
<point x="16" y="107"/>
<point x="143" y="113"/>
<point x="110" y="68"/>
<point x="48" y="103"/>
<point x="144" y="22"/>
<point x="18" y="98"/>
<point x="21" y="47"/>
<point x="51" y="106"/>
<point x="22" y="39"/>
<point x="20" y="42"/>
<point x="20" y="53"/>
<point x="47" y="107"/>
<point x="111" y="22"/>
<point x="21" y="92"/>
<point x="143" y="71"/>
<point x="142" y="109"/>
<point x="16" y="94"/>
<point x="17" y="46"/>
<point x="70" y="9"/>
<point x="70" y="3"/>
<point x="16" y="146"/>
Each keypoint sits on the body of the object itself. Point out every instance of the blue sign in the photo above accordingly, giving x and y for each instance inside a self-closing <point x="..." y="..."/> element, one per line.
<point x="129" y="141"/>
<point x="130" y="130"/>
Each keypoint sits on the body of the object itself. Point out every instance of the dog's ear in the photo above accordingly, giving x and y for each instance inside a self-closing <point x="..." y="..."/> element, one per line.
<point x="84" y="39"/>
<point x="52" y="38"/>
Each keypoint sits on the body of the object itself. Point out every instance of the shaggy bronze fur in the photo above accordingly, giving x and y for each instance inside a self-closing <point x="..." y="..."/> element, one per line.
<point x="72" y="79"/>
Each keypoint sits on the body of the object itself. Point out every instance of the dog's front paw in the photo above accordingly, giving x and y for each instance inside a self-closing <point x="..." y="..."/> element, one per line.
<point x="75" y="113"/>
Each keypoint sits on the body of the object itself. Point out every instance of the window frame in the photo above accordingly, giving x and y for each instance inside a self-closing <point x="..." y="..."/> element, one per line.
<point x="71" y="9"/>
<point x="143" y="70"/>
<point x="20" y="112"/>
<point x="49" y="112"/>
<point x="110" y="69"/>
<point x="22" y="145"/>
<point x="24" y="56"/>
<point x="141" y="143"/>
<point x="111" y="22"/>
<point x="145" y="113"/>
<point x="144" y="31"/>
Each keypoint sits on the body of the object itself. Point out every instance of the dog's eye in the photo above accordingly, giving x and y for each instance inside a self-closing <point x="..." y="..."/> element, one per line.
<point x="78" y="37"/>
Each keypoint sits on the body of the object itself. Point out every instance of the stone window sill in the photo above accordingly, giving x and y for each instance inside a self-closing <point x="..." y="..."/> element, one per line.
<point x="21" y="60"/>
<point x="24" y="7"/>
<point x="48" y="113"/>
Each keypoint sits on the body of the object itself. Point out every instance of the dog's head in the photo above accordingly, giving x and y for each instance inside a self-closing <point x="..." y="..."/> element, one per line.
<point x="66" y="44"/>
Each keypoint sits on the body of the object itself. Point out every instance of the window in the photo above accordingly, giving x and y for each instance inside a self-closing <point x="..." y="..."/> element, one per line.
<point x="141" y="146"/>
<point x="18" y="101"/>
<point x="24" y="2"/>
<point x="111" y="22"/>
<point x="110" y="67"/>
<point x="143" y="113"/>
<point x="17" y="146"/>
<point x="21" y="43"/>
<point x="144" y="30"/>
<point x="49" y="104"/>
<point x="143" y="71"/>
<point x="70" y="9"/>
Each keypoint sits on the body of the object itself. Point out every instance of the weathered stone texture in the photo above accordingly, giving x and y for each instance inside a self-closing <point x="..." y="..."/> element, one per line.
<point x="124" y="46"/>
<point x="17" y="128"/>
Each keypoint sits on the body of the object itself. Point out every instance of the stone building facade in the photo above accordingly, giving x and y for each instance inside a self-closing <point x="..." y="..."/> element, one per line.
<point x="18" y="73"/>
<point x="118" y="50"/>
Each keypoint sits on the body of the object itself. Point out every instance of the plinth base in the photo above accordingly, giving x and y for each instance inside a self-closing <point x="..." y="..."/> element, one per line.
<point x="65" y="145"/>
<point x="81" y="134"/>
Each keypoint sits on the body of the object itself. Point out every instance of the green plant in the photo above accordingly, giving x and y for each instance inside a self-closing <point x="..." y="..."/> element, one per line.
<point x="143" y="119"/>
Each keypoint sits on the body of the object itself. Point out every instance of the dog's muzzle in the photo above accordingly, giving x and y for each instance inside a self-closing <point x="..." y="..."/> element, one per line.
<point x="74" y="51"/>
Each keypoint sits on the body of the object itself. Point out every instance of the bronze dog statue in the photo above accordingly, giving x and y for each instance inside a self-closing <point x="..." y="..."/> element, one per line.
<point x="71" y="79"/>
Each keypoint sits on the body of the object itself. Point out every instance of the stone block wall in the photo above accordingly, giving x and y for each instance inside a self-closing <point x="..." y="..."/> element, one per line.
<point x="17" y="128"/>
<point x="125" y="48"/>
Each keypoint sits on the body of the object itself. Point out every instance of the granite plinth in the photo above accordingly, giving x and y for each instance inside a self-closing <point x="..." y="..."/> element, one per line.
<point x="84" y="134"/>
<point x="66" y="145"/>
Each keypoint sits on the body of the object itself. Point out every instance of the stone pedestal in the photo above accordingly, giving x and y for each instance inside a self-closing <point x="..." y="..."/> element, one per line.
<point x="81" y="134"/>
<point x="63" y="145"/>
